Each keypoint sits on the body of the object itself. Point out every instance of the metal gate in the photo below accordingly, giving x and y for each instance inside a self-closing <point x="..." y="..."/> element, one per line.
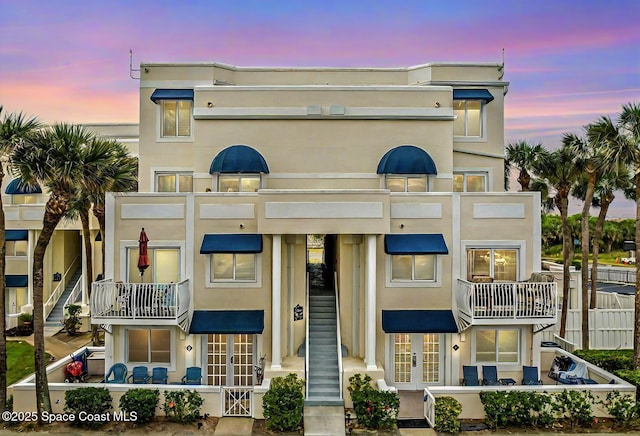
<point x="237" y="401"/>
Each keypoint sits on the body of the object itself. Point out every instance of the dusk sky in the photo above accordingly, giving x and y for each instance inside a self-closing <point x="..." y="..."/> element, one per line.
<point x="568" y="61"/>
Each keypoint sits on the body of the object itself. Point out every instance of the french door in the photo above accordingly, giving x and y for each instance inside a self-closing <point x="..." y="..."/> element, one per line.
<point x="230" y="359"/>
<point x="417" y="360"/>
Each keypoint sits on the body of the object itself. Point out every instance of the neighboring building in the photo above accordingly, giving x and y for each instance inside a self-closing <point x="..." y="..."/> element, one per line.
<point x="64" y="260"/>
<point x="402" y="172"/>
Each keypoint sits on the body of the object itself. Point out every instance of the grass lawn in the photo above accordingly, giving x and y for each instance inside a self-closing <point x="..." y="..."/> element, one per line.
<point x="19" y="360"/>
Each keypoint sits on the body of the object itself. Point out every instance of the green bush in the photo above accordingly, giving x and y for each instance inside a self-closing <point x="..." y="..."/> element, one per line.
<point x="517" y="408"/>
<point x="609" y="360"/>
<point x="182" y="406"/>
<point x="72" y="321"/>
<point x="141" y="401"/>
<point x="623" y="408"/>
<point x="283" y="403"/>
<point x="448" y="411"/>
<point x="577" y="406"/>
<point x="91" y="401"/>
<point x="374" y="409"/>
<point x="630" y="375"/>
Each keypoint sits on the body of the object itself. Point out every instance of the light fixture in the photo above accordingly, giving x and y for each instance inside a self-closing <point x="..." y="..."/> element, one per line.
<point x="209" y="104"/>
<point x="437" y="104"/>
<point x="242" y="226"/>
<point x="402" y="226"/>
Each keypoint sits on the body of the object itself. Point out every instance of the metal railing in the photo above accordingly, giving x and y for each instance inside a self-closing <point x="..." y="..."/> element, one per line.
<point x="306" y="343"/>
<point x="110" y="301"/>
<point x="339" y="341"/>
<point x="616" y="274"/>
<point x="75" y="293"/>
<point x="57" y="292"/>
<point x="507" y="300"/>
<point x="429" y="408"/>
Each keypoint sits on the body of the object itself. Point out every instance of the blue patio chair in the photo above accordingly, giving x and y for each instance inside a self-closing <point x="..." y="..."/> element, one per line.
<point x="193" y="376"/>
<point x="159" y="376"/>
<point x="139" y="375"/>
<point x="490" y="375"/>
<point x="530" y="375"/>
<point x="118" y="372"/>
<point x="470" y="376"/>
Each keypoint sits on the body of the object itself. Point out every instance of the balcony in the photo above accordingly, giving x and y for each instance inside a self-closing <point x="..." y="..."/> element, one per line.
<point x="140" y="303"/>
<point x="506" y="303"/>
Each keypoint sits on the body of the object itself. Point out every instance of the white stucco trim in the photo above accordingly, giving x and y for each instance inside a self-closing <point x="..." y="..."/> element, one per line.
<point x="152" y="211"/>
<point x="416" y="210"/>
<point x="334" y="210"/>
<point x="227" y="211"/>
<point x="499" y="210"/>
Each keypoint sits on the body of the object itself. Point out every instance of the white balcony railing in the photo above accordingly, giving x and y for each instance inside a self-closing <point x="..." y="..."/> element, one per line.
<point x="121" y="303"/>
<point x="528" y="302"/>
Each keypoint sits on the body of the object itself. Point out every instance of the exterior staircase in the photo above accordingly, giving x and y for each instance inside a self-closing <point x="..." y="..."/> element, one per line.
<point x="57" y="314"/>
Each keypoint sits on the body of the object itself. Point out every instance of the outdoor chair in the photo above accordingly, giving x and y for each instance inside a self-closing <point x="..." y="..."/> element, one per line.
<point x="530" y="375"/>
<point x="576" y="374"/>
<point x="118" y="372"/>
<point x="139" y="375"/>
<point x="159" y="376"/>
<point x="470" y="376"/>
<point x="193" y="376"/>
<point x="490" y="376"/>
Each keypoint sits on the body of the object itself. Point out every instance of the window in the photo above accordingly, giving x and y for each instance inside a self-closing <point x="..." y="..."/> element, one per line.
<point x="16" y="248"/>
<point x="469" y="118"/>
<point x="497" y="346"/>
<point x="230" y="359"/>
<point x="14" y="299"/>
<point x="413" y="267"/>
<point x="176" y="118"/>
<point x="238" y="183"/>
<point x="164" y="266"/>
<point x="501" y="264"/>
<point x="174" y="182"/>
<point x="469" y="182"/>
<point x="407" y="183"/>
<point x="233" y="267"/>
<point x="149" y="346"/>
<point x="24" y="199"/>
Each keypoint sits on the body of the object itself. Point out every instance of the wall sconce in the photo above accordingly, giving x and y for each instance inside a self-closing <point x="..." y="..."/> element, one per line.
<point x="209" y="104"/>
<point x="242" y="226"/>
<point x="437" y="104"/>
<point x="402" y="226"/>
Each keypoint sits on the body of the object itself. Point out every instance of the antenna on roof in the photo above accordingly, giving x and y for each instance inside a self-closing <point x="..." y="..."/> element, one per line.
<point x="501" y="67"/>
<point x="131" y="69"/>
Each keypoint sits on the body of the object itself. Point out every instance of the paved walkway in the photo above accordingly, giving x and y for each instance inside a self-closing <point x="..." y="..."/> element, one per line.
<point x="57" y="342"/>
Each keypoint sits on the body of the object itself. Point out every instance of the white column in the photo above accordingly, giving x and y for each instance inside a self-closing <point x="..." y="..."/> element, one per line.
<point x="355" y="301"/>
<point x="370" y="304"/>
<point x="276" y="283"/>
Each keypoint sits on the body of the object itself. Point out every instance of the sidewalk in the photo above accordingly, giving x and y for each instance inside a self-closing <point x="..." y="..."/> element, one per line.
<point x="57" y="342"/>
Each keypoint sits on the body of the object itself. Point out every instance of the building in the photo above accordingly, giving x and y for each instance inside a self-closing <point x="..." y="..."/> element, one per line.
<point x="399" y="171"/>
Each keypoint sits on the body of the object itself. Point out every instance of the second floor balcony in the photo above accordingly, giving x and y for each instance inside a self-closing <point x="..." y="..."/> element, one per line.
<point x="504" y="303"/>
<point x="120" y="303"/>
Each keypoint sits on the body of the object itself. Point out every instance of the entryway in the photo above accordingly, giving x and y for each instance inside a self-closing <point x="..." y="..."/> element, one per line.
<point x="417" y="360"/>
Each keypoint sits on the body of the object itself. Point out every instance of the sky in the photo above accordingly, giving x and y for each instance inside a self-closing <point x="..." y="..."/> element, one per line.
<point x="568" y="61"/>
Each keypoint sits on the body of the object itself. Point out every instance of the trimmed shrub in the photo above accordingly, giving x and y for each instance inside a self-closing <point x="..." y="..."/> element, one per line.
<point x="91" y="401"/>
<point x="517" y="408"/>
<point x="609" y="360"/>
<point x="623" y="408"/>
<point x="448" y="411"/>
<point x="374" y="409"/>
<point x="283" y="403"/>
<point x="141" y="401"/>
<point x="182" y="406"/>
<point x="577" y="406"/>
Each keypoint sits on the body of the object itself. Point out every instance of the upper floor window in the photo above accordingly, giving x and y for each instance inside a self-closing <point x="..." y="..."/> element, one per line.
<point x="238" y="183"/>
<point x="413" y="267"/>
<point x="407" y="184"/>
<point x="176" y="118"/>
<point x="233" y="267"/>
<point x="469" y="182"/>
<point x="16" y="248"/>
<point x="164" y="265"/>
<point x="174" y="182"/>
<point x="469" y="118"/>
<point x="500" y="264"/>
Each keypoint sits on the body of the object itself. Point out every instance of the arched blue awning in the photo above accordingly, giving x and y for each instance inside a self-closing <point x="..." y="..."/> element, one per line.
<point x="407" y="159"/>
<point x="239" y="159"/>
<point x="17" y="187"/>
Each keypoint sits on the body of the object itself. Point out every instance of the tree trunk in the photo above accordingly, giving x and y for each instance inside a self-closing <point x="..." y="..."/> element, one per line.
<point x="584" y="272"/>
<point x="524" y="179"/>
<point x="88" y="254"/>
<point x="605" y="201"/>
<point x="3" y="309"/>
<point x="566" y="263"/>
<point x="636" y="327"/>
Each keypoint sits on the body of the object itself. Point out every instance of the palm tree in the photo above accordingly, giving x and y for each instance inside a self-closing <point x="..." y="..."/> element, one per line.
<point x="14" y="129"/>
<point x="59" y="159"/>
<point x="524" y="157"/>
<point x="558" y="174"/>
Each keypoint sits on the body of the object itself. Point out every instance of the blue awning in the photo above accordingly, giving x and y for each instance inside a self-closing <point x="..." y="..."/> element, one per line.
<point x="16" y="281"/>
<point x="403" y="243"/>
<point x="473" y="94"/>
<point x="231" y="243"/>
<point x="227" y="321"/>
<point x="17" y="187"/>
<point x="239" y="159"/>
<point x="172" y="94"/>
<point x="406" y="159"/>
<point x="16" y="235"/>
<point x="418" y="321"/>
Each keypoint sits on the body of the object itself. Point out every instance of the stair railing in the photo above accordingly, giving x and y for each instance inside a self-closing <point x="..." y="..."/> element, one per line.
<point x="339" y="342"/>
<point x="57" y="292"/>
<point x="306" y="345"/>
<point x="75" y="293"/>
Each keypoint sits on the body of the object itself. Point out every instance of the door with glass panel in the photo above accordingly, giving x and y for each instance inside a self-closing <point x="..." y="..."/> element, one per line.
<point x="417" y="360"/>
<point x="230" y="360"/>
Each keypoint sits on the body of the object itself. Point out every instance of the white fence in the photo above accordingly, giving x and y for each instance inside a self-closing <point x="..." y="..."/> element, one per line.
<point x="608" y="328"/>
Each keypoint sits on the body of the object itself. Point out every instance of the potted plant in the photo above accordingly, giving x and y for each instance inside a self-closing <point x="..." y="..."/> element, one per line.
<point x="26" y="319"/>
<point x="72" y="321"/>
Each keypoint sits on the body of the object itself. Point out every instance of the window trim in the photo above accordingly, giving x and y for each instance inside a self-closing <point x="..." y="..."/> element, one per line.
<point x="257" y="283"/>
<point x="504" y="366"/>
<point x="177" y="174"/>
<point x="160" y="123"/>
<point x="20" y="256"/>
<point x="390" y="283"/>
<point x="125" y="245"/>
<point x="519" y="245"/>
<point x="483" y="123"/>
<point x="239" y="176"/>
<point x="171" y="366"/>
<point x="465" y="173"/>
<point x="406" y="178"/>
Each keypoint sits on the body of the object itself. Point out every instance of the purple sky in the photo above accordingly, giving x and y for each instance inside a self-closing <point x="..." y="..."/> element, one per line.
<point x="568" y="61"/>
